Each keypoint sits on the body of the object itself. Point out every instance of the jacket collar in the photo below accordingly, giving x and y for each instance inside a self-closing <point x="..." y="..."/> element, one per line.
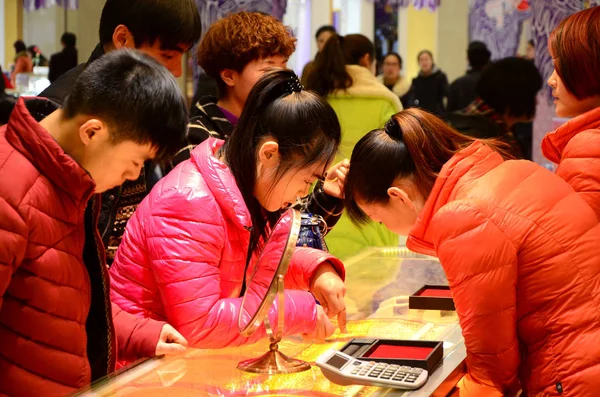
<point x="365" y="84"/>
<point x="97" y="53"/>
<point x="554" y="143"/>
<point x="207" y="108"/>
<point x="28" y="137"/>
<point x="221" y="182"/>
<point x="461" y="170"/>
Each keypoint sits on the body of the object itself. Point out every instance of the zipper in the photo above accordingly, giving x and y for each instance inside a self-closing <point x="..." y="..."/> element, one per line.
<point x="102" y="260"/>
<point x="110" y="220"/>
<point x="89" y="290"/>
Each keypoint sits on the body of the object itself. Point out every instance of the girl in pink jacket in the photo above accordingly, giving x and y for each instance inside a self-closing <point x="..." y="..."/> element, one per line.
<point x="184" y="253"/>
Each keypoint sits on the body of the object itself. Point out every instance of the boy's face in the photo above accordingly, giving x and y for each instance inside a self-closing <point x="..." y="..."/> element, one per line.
<point x="110" y="164"/>
<point x="171" y="59"/>
<point x="247" y="78"/>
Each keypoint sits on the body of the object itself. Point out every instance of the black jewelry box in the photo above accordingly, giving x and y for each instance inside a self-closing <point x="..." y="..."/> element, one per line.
<point x="432" y="297"/>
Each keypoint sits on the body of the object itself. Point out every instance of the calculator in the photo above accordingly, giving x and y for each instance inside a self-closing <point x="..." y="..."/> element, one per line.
<point x="345" y="370"/>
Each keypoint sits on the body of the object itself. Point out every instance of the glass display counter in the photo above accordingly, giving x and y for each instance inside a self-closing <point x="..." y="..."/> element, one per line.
<point x="379" y="281"/>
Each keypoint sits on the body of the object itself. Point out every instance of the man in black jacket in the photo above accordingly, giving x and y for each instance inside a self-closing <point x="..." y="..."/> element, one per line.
<point x="462" y="91"/>
<point x="62" y="62"/>
<point x="163" y="29"/>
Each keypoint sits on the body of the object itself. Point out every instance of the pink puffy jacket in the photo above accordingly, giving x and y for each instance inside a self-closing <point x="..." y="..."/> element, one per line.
<point x="183" y="255"/>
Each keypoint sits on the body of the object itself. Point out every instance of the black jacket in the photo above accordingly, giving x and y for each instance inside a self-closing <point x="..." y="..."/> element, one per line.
<point x="463" y="91"/>
<point x="428" y="92"/>
<point x="61" y="63"/>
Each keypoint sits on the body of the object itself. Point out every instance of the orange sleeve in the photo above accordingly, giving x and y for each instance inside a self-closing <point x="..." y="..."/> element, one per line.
<point x="481" y="265"/>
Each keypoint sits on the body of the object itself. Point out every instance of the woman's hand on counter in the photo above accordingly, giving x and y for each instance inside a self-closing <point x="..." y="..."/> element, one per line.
<point x="329" y="289"/>
<point x="170" y="341"/>
<point x="323" y="329"/>
<point x="335" y="179"/>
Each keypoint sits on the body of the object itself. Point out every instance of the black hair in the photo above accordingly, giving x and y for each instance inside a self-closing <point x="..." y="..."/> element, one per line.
<point x="395" y="55"/>
<point x="425" y="52"/>
<point x="531" y="43"/>
<point x="136" y="97"/>
<point x="325" y="28"/>
<point x="69" y="39"/>
<point x="304" y="125"/>
<point x="171" y="22"/>
<point x="479" y="55"/>
<point x="329" y="72"/>
<point x="19" y="46"/>
<point x="510" y="84"/>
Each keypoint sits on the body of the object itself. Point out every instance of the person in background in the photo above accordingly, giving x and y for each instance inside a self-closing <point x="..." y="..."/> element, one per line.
<point x="575" y="146"/>
<point x="236" y="59"/>
<point x="62" y="62"/>
<point x="323" y="34"/>
<point x="463" y="90"/>
<point x="58" y="328"/>
<point x="429" y="89"/>
<point x="195" y="239"/>
<point x="37" y="57"/>
<point x="23" y="63"/>
<point x="506" y="96"/>
<point x="147" y="25"/>
<point x="518" y="245"/>
<point x="391" y="77"/>
<point x="530" y="51"/>
<point x="344" y="74"/>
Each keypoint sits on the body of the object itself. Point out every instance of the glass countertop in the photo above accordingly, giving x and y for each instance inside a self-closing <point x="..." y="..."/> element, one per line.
<point x="379" y="281"/>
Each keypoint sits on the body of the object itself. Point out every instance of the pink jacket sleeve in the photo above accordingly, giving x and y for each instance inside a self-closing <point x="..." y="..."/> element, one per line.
<point x="305" y="263"/>
<point x="185" y="247"/>
<point x="136" y="337"/>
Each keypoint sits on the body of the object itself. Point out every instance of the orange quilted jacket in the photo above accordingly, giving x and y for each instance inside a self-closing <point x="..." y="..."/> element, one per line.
<point x="521" y="253"/>
<point x="575" y="147"/>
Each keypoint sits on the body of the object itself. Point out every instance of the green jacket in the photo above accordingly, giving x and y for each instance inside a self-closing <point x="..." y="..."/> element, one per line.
<point x="363" y="107"/>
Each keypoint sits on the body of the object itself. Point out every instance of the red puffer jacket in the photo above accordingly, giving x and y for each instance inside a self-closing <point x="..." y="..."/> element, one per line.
<point x="575" y="147"/>
<point x="56" y="331"/>
<point x="521" y="252"/>
<point x="184" y="251"/>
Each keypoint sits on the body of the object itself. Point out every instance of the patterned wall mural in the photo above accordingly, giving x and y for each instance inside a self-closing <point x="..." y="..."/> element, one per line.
<point x="499" y="24"/>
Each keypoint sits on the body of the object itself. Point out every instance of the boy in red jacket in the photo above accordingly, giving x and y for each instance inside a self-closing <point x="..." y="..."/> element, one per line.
<point x="58" y="329"/>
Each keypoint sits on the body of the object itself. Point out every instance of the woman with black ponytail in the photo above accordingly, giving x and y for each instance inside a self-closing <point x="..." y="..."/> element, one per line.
<point x="344" y="74"/>
<point x="184" y="254"/>
<point x="518" y="245"/>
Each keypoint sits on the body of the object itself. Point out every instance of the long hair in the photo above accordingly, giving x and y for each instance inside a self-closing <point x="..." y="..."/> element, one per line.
<point x="414" y="144"/>
<point x="304" y="125"/>
<point x="329" y="72"/>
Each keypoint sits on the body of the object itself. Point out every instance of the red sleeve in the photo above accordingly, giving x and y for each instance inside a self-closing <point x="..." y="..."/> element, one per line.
<point x="12" y="244"/>
<point x="136" y="337"/>
<point x="477" y="256"/>
<point x="305" y="263"/>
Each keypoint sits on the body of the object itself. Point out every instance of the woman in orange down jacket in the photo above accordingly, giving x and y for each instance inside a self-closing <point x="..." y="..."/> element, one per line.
<point x="518" y="245"/>
<point x="575" y="146"/>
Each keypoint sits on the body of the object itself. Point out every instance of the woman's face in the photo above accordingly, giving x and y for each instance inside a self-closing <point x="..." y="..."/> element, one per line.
<point x="391" y="67"/>
<point x="401" y="211"/>
<point x="426" y="62"/>
<point x="567" y="104"/>
<point x="275" y="192"/>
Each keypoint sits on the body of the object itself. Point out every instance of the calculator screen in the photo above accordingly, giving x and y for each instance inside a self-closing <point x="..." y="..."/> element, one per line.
<point x="337" y="361"/>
